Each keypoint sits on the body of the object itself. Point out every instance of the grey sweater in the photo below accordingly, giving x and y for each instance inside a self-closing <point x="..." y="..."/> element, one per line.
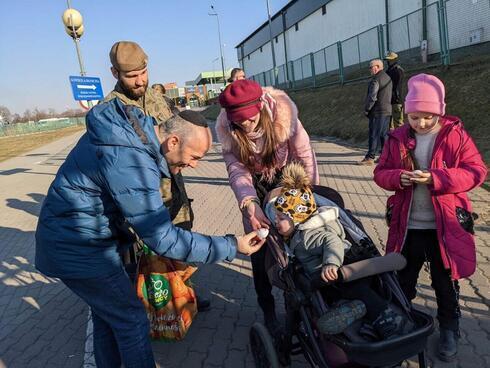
<point x="422" y="214"/>
<point x="320" y="240"/>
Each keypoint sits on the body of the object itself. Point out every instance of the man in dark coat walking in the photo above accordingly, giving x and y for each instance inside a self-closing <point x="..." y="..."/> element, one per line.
<point x="377" y="108"/>
<point x="396" y="73"/>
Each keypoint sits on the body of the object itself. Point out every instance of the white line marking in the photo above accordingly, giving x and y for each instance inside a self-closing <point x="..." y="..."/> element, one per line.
<point x="88" y="357"/>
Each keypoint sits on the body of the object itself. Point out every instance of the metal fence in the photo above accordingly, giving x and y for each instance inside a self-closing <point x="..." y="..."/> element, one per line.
<point x="39" y="126"/>
<point x="442" y="35"/>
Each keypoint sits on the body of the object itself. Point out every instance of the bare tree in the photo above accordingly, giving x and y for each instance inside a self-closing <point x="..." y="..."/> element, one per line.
<point x="16" y="118"/>
<point x="5" y="115"/>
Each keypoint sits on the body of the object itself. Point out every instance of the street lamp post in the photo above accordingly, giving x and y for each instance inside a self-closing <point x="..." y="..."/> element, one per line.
<point x="214" y="76"/>
<point x="220" y="47"/>
<point x="73" y="21"/>
<point x="272" y="45"/>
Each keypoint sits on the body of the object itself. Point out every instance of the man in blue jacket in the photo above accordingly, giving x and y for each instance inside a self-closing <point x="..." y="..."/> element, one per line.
<point x="112" y="177"/>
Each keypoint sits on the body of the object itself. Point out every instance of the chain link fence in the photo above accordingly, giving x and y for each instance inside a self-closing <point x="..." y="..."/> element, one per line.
<point x="428" y="35"/>
<point x="39" y="126"/>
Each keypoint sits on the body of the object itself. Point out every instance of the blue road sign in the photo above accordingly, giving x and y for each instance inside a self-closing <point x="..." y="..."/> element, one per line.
<point x="86" y="88"/>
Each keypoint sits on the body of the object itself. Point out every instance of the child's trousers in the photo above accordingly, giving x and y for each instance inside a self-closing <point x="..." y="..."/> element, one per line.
<point x="421" y="246"/>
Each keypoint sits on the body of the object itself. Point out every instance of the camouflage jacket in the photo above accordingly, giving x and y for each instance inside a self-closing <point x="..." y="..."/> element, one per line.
<point x="152" y="104"/>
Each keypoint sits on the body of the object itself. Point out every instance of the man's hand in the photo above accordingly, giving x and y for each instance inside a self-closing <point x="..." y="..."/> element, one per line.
<point x="329" y="273"/>
<point x="249" y="243"/>
<point x="366" y="113"/>
<point x="257" y="218"/>
<point x="421" y="177"/>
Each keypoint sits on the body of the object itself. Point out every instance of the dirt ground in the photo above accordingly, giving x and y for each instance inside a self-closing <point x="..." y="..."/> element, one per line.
<point x="15" y="145"/>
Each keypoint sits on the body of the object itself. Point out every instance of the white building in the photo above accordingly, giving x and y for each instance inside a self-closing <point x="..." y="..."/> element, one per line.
<point x="307" y="34"/>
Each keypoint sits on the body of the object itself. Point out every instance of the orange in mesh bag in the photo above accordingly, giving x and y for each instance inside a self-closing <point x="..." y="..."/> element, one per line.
<point x="163" y="286"/>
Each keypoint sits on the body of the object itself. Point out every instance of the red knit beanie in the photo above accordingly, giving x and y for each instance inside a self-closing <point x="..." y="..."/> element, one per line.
<point x="241" y="100"/>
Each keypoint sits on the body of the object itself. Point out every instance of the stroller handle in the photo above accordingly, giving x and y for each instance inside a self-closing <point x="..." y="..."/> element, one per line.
<point x="366" y="267"/>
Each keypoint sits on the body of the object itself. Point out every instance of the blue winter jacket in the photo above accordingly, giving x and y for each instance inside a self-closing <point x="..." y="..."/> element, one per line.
<point x="111" y="176"/>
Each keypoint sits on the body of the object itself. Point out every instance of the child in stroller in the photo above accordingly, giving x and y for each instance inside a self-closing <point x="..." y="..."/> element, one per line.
<point x="317" y="239"/>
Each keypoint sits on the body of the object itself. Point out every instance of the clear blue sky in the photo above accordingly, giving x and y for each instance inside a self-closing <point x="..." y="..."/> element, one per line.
<point x="181" y="40"/>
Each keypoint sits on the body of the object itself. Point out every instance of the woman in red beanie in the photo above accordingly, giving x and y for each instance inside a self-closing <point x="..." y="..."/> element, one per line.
<point x="431" y="163"/>
<point x="260" y="133"/>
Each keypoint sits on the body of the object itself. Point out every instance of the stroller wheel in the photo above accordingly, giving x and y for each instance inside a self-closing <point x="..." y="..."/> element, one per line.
<point x="262" y="346"/>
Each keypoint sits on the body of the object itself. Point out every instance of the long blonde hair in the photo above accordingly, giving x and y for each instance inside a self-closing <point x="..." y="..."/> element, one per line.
<point x="267" y="154"/>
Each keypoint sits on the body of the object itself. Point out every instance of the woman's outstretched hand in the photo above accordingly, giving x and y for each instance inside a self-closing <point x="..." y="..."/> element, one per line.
<point x="249" y="243"/>
<point x="257" y="218"/>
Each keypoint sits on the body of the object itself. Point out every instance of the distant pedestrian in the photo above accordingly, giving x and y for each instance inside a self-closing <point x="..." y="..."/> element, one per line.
<point x="236" y="74"/>
<point x="160" y="89"/>
<point x="396" y="73"/>
<point x="431" y="163"/>
<point x="378" y="109"/>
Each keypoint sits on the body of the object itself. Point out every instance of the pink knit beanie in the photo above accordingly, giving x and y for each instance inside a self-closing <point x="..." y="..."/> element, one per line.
<point x="425" y="94"/>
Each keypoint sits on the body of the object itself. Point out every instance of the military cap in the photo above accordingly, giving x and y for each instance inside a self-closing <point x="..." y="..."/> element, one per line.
<point x="127" y="56"/>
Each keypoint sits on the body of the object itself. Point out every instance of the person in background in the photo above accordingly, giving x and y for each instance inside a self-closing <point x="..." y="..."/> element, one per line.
<point x="377" y="109"/>
<point x="236" y="74"/>
<point x="160" y="89"/>
<point x="396" y="73"/>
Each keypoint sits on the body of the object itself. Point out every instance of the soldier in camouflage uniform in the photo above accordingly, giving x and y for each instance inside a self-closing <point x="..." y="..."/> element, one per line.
<point x="130" y="68"/>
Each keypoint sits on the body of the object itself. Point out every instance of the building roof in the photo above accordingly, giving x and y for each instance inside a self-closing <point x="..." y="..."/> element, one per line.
<point x="203" y="77"/>
<point x="294" y="12"/>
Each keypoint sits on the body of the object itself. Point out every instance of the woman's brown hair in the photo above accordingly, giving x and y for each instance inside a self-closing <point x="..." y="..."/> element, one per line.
<point x="245" y="151"/>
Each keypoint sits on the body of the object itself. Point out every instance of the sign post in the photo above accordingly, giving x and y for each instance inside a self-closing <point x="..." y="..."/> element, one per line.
<point x="86" y="88"/>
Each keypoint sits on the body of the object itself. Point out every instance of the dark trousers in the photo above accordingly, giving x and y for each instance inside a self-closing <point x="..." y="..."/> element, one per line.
<point x="396" y="116"/>
<point x="121" y="327"/>
<point x="421" y="246"/>
<point x="262" y="284"/>
<point x="378" y="130"/>
<point x="363" y="290"/>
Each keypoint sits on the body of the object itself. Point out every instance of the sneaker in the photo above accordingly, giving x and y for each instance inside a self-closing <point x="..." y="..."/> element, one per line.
<point x="366" y="161"/>
<point x="337" y="319"/>
<point x="448" y="345"/>
<point x="376" y="161"/>
<point x="389" y="324"/>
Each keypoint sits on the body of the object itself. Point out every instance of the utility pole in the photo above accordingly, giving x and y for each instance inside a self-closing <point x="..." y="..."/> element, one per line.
<point x="215" y="14"/>
<point x="272" y="45"/>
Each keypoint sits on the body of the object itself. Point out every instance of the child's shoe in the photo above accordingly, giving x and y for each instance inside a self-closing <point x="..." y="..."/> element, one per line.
<point x="338" y="318"/>
<point x="448" y="345"/>
<point x="389" y="324"/>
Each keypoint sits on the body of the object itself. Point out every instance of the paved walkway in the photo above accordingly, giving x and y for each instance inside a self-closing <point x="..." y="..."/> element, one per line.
<point x="42" y="324"/>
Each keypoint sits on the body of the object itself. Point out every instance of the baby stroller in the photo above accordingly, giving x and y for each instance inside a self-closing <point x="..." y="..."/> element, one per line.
<point x="304" y="304"/>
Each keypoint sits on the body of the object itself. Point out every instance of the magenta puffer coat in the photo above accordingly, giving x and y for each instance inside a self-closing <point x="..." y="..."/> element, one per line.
<point x="456" y="167"/>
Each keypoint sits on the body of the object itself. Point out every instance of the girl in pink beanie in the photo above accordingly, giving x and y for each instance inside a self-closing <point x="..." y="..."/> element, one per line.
<point x="431" y="164"/>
